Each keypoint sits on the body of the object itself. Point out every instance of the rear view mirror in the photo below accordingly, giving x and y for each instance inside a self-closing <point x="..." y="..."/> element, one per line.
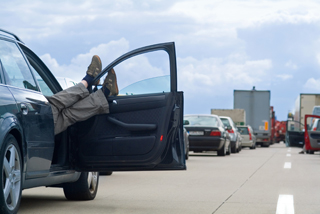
<point x="186" y="122"/>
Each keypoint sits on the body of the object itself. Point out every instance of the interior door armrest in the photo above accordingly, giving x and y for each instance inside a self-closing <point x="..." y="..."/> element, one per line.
<point x="133" y="127"/>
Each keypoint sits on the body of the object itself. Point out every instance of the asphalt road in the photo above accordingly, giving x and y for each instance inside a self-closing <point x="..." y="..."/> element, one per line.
<point x="266" y="180"/>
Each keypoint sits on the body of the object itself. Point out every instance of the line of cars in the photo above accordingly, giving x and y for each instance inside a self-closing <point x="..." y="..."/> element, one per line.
<point x="216" y="133"/>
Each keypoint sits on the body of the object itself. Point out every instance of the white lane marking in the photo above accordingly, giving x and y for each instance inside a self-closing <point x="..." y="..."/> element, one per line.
<point x="289" y="150"/>
<point x="288" y="155"/>
<point x="285" y="204"/>
<point x="287" y="165"/>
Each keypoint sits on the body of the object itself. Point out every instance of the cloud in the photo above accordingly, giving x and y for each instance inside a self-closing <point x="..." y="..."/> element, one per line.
<point x="217" y="76"/>
<point x="78" y="65"/>
<point x="291" y="65"/>
<point x="318" y="58"/>
<point x="285" y="76"/>
<point x="313" y="84"/>
<point x="246" y="13"/>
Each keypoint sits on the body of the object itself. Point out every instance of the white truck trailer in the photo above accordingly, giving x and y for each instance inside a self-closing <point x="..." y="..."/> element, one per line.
<point x="304" y="105"/>
<point x="237" y="115"/>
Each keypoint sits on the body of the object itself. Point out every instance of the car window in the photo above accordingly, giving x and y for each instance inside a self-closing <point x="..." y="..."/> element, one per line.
<point x="144" y="74"/>
<point x="202" y="120"/>
<point x="46" y="91"/>
<point x="225" y="121"/>
<point x="15" y="69"/>
<point x="243" y="130"/>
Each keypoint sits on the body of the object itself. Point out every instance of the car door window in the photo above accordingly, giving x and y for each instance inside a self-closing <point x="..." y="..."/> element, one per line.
<point x="46" y="91"/>
<point x="144" y="74"/>
<point x="15" y="68"/>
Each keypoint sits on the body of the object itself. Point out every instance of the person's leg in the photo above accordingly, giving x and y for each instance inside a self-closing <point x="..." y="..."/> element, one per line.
<point x="94" y="104"/>
<point x="91" y="105"/>
<point x="68" y="97"/>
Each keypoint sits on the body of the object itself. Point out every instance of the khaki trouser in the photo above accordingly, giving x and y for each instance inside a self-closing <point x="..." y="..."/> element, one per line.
<point x="76" y="104"/>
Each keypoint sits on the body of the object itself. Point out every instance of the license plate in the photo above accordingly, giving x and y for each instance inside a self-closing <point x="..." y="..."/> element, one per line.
<point x="196" y="133"/>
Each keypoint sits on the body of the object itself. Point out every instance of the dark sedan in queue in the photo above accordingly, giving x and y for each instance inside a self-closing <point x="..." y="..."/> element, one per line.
<point x="207" y="133"/>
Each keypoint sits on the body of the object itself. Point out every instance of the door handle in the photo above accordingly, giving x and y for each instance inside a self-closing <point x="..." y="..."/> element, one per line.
<point x="24" y="109"/>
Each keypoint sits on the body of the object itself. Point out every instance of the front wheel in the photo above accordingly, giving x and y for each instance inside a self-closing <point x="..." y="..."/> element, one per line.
<point x="10" y="179"/>
<point x="85" y="188"/>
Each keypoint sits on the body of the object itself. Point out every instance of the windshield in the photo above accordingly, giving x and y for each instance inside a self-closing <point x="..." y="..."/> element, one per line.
<point x="202" y="120"/>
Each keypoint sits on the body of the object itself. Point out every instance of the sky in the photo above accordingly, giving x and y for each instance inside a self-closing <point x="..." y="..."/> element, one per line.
<point x="221" y="45"/>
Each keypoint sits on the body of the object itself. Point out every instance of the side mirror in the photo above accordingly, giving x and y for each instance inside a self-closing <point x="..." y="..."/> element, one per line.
<point x="186" y="122"/>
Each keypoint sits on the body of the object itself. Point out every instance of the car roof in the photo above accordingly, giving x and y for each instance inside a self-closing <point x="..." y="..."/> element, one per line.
<point x="202" y="115"/>
<point x="9" y="35"/>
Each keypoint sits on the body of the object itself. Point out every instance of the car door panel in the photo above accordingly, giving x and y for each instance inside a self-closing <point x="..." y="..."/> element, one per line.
<point x="36" y="116"/>
<point x="142" y="132"/>
<point x="113" y="145"/>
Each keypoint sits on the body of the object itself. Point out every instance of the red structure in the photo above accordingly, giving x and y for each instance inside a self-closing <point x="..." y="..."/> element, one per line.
<point x="278" y="128"/>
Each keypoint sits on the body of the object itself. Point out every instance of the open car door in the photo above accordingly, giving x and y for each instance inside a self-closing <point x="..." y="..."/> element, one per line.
<point x="312" y="137"/>
<point x="144" y="130"/>
<point x="294" y="135"/>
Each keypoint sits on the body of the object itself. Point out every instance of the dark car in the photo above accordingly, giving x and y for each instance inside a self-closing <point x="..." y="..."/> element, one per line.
<point x="207" y="133"/>
<point x="143" y="131"/>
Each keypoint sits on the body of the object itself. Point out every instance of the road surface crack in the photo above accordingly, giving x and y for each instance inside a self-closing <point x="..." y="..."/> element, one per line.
<point x="243" y="183"/>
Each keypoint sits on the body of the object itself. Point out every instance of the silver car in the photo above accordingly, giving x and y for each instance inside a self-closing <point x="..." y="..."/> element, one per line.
<point x="233" y="132"/>
<point x="248" y="138"/>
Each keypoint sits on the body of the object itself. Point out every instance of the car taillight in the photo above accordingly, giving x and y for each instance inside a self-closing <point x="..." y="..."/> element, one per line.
<point x="250" y="137"/>
<point x="231" y="131"/>
<point x="215" y="133"/>
<point x="315" y="128"/>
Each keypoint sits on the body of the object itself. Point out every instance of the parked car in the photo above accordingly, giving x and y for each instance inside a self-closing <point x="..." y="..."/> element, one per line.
<point x="186" y="142"/>
<point x="311" y="133"/>
<point x="248" y="138"/>
<point x="142" y="131"/>
<point x="207" y="133"/>
<point x="233" y="132"/>
<point x="66" y="82"/>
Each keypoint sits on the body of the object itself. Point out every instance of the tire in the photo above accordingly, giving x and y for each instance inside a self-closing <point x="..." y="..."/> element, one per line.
<point x="85" y="188"/>
<point x="229" y="150"/>
<point x="253" y="146"/>
<point x="187" y="154"/>
<point x="11" y="178"/>
<point x="106" y="173"/>
<point x="310" y="152"/>
<point x="222" y="151"/>
<point x="233" y="149"/>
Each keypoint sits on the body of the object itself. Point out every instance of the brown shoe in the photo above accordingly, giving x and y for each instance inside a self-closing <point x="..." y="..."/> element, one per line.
<point x="110" y="82"/>
<point x="95" y="67"/>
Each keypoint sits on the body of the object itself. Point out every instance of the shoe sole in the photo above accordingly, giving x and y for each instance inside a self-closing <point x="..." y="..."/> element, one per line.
<point x="95" y="72"/>
<point x="115" y="81"/>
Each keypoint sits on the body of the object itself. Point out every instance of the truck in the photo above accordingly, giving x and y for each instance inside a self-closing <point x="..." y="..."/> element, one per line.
<point x="237" y="115"/>
<point x="304" y="104"/>
<point x="256" y="104"/>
